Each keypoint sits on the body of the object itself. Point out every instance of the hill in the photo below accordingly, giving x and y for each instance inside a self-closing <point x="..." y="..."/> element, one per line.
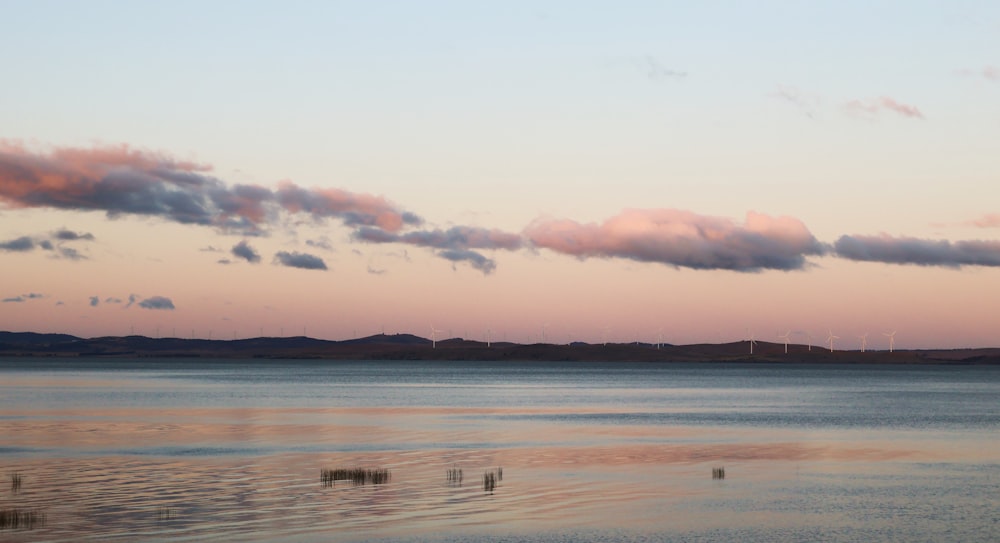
<point x="410" y="347"/>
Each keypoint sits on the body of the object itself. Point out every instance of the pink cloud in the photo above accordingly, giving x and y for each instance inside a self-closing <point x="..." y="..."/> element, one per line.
<point x="353" y="208"/>
<point x="988" y="72"/>
<point x="122" y="180"/>
<point x="683" y="239"/>
<point x="870" y="108"/>
<point x="991" y="220"/>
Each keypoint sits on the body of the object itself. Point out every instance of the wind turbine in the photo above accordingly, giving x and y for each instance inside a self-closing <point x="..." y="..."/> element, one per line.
<point x="809" y="341"/>
<point x="785" y="337"/>
<point x="830" y="338"/>
<point x="751" y="340"/>
<point x="434" y="332"/>
<point x="659" y="338"/>
<point x="864" y="341"/>
<point x="892" y="339"/>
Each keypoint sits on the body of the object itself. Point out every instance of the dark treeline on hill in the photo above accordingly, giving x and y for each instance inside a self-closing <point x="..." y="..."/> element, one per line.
<point x="410" y="347"/>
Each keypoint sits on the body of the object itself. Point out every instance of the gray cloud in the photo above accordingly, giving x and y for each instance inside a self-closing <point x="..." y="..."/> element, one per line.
<point x="658" y="72"/>
<point x="920" y="252"/>
<point x="156" y="302"/>
<point x="131" y="300"/>
<point x="27" y="243"/>
<point x="246" y="252"/>
<point x="322" y="243"/>
<point x="69" y="235"/>
<point x="455" y="244"/>
<point x="474" y="259"/>
<point x="21" y="244"/>
<point x="24" y="297"/>
<point x="300" y="260"/>
<point x="94" y="300"/>
<point x="71" y="253"/>
<point x="111" y="300"/>
<point x="806" y="103"/>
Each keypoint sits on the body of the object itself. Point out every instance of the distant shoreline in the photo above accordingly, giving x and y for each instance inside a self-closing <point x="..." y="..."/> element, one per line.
<point x="410" y="347"/>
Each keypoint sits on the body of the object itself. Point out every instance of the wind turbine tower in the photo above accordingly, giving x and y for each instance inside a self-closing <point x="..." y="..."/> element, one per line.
<point x="751" y="340"/>
<point x="864" y="341"/>
<point x="785" y="337"/>
<point x="434" y="332"/>
<point x="892" y="339"/>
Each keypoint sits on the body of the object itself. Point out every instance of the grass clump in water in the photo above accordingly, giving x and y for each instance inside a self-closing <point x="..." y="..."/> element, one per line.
<point x="491" y="478"/>
<point x="357" y="476"/>
<point x="16" y="479"/>
<point x="15" y="519"/>
<point x="455" y="476"/>
<point x="718" y="473"/>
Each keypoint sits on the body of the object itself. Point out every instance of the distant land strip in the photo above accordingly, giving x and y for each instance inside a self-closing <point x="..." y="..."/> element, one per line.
<point x="410" y="347"/>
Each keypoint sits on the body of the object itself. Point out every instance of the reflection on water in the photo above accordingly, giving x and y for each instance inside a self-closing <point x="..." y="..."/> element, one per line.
<point x="148" y="451"/>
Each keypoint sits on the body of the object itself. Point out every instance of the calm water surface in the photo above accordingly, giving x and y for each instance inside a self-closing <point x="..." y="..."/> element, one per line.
<point x="202" y="450"/>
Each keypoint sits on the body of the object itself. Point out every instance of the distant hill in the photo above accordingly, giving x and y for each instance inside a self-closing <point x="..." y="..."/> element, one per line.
<point x="31" y="338"/>
<point x="410" y="347"/>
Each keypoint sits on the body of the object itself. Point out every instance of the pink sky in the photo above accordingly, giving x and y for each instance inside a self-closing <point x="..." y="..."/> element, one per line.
<point x="161" y="246"/>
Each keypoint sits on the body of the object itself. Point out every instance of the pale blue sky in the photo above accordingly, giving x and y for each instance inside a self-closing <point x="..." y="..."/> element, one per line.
<point x="449" y="95"/>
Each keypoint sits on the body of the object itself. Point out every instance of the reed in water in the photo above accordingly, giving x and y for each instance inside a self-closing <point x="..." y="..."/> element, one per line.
<point x="25" y="519"/>
<point x="357" y="476"/>
<point x="491" y="478"/>
<point x="16" y="479"/>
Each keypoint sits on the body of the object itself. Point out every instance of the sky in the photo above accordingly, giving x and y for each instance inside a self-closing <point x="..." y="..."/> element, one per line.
<point x="561" y="171"/>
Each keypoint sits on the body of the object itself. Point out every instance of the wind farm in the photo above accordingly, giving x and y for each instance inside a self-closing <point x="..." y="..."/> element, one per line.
<point x="413" y="347"/>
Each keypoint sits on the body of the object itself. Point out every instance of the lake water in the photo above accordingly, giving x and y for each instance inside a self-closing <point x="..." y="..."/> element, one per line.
<point x="196" y="450"/>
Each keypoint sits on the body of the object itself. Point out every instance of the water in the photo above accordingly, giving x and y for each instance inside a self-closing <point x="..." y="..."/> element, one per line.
<point x="185" y="450"/>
